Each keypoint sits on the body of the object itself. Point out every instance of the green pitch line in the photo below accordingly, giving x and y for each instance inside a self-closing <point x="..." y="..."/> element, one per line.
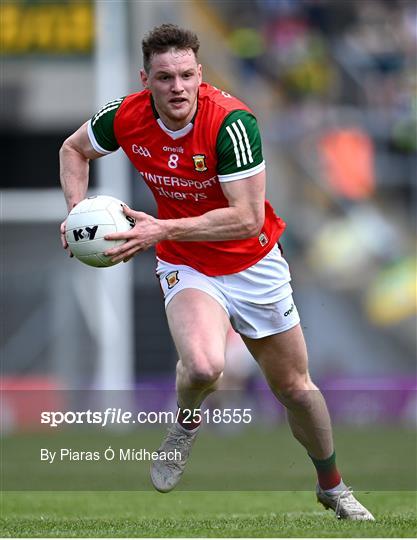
<point x="198" y="514"/>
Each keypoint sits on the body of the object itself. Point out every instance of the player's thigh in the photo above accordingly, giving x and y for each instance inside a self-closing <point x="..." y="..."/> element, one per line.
<point x="198" y="325"/>
<point x="282" y="357"/>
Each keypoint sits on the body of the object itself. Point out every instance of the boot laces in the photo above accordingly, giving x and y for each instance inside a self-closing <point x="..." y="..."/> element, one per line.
<point x="347" y="501"/>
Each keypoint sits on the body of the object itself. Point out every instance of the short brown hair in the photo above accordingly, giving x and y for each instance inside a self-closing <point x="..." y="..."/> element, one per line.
<point x="165" y="37"/>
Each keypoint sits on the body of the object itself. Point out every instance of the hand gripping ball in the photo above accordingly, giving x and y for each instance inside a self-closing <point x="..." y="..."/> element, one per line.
<point x="89" y="222"/>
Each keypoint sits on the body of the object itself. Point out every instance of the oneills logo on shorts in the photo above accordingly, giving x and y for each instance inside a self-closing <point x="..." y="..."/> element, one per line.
<point x="172" y="279"/>
<point x="289" y="311"/>
<point x="200" y="162"/>
<point x="263" y="239"/>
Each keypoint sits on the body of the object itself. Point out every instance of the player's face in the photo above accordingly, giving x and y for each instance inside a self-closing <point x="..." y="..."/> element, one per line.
<point x="173" y="79"/>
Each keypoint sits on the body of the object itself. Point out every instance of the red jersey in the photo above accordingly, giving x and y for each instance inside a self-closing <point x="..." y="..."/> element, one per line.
<point x="184" y="170"/>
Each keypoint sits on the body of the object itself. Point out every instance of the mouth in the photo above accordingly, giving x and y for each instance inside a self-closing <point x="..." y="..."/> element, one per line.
<point x="177" y="101"/>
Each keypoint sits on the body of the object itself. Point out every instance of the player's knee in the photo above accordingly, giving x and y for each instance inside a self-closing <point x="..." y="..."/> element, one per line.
<point x="295" y="393"/>
<point x="204" y="371"/>
<point x="204" y="376"/>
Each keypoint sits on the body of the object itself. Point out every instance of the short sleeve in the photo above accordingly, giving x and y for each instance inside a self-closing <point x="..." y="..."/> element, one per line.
<point x="101" y="129"/>
<point x="239" y="147"/>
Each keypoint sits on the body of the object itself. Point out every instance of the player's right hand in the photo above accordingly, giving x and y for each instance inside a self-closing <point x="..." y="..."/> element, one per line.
<point x="63" y="238"/>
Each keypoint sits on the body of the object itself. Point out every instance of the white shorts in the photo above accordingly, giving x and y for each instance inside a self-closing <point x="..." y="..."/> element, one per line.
<point x="258" y="300"/>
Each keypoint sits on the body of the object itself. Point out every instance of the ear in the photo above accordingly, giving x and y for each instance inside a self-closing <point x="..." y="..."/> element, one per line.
<point x="200" y="73"/>
<point x="144" y="78"/>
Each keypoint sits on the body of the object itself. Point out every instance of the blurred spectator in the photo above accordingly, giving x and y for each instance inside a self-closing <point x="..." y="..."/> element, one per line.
<point x="349" y="178"/>
<point x="248" y="45"/>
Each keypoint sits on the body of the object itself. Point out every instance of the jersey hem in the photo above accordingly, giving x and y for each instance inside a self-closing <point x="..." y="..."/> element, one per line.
<point x="94" y="142"/>
<point x="242" y="174"/>
<point x="165" y="257"/>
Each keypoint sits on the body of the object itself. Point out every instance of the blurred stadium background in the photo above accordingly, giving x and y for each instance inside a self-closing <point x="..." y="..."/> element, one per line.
<point x="333" y="84"/>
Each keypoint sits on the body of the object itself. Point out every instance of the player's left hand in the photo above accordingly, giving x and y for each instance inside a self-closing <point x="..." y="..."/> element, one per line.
<point x="146" y="232"/>
<point x="63" y="237"/>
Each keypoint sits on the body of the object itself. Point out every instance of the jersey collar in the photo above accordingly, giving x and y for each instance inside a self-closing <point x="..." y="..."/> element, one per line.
<point x="173" y="134"/>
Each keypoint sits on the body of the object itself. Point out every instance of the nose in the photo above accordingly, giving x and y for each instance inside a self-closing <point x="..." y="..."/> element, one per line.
<point x="177" y="86"/>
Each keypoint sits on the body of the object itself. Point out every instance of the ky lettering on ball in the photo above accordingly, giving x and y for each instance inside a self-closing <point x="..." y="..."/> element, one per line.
<point x="89" y="222"/>
<point x="87" y="232"/>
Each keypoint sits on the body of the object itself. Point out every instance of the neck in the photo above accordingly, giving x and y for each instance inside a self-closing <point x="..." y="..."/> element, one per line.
<point x="172" y="124"/>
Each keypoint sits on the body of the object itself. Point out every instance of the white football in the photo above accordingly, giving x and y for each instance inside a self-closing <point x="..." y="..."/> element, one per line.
<point x="89" y="222"/>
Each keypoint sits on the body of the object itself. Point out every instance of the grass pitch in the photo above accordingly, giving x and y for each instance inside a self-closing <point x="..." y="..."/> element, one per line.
<point x="199" y="514"/>
<point x="380" y="458"/>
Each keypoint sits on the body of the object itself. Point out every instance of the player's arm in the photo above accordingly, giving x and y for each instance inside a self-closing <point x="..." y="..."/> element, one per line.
<point x="242" y="218"/>
<point x="74" y="158"/>
<point x="92" y="140"/>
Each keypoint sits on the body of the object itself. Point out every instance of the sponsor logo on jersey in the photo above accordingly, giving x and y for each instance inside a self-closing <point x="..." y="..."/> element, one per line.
<point x="141" y="150"/>
<point x="172" y="279"/>
<point x="178" y="149"/>
<point x="263" y="239"/>
<point x="200" y="162"/>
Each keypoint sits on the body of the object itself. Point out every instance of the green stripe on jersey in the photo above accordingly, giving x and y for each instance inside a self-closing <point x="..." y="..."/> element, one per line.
<point x="239" y="146"/>
<point x="102" y="125"/>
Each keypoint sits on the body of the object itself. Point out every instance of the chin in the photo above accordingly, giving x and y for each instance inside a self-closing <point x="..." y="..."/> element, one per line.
<point x="179" y="116"/>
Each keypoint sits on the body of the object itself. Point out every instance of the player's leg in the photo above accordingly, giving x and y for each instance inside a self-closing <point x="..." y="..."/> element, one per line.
<point x="198" y="325"/>
<point x="283" y="359"/>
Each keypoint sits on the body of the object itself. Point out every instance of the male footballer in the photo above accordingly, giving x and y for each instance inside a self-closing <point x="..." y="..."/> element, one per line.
<point x="218" y="260"/>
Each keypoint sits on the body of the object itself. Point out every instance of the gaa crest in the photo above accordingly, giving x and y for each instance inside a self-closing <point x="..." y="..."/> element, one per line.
<point x="200" y="162"/>
<point x="172" y="279"/>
